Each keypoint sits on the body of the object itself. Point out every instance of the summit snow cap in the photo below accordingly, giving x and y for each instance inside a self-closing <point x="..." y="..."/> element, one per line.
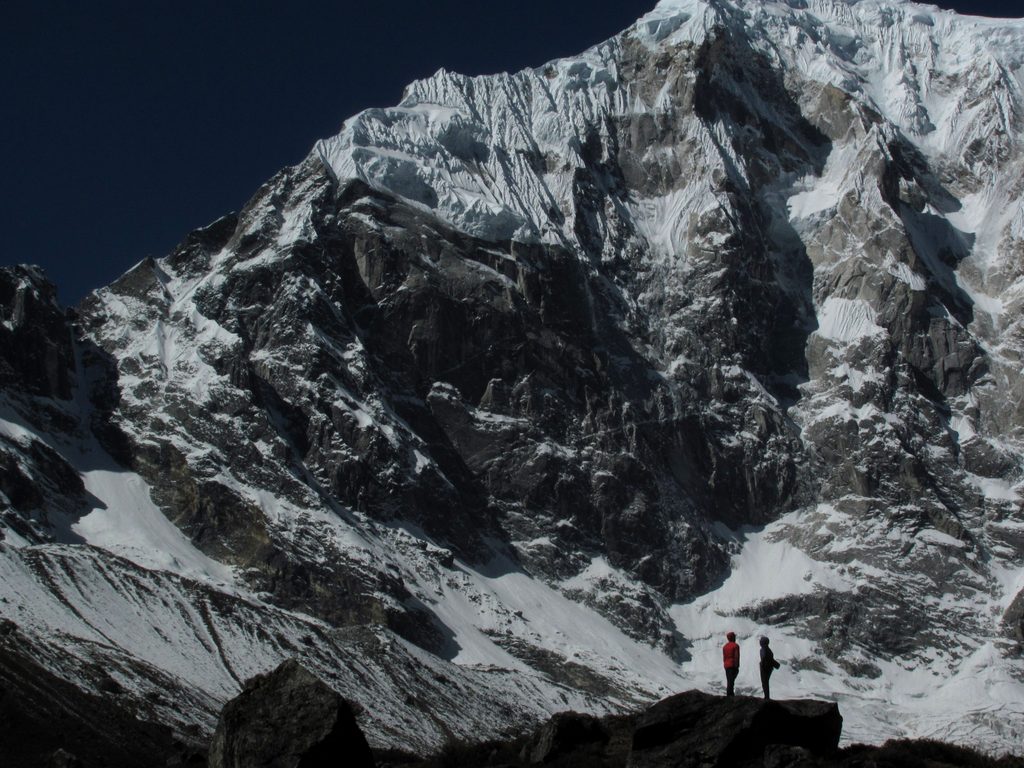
<point x="495" y="157"/>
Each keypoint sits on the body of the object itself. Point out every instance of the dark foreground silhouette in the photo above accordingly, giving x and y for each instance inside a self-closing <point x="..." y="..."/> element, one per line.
<point x="288" y="718"/>
<point x="694" y="729"/>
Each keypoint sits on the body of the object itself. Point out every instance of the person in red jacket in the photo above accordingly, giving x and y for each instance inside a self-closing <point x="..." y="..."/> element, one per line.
<point x="731" y="662"/>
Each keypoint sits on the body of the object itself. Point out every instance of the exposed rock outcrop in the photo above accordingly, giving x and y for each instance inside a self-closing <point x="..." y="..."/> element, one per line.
<point x="288" y="718"/>
<point x="566" y="733"/>
<point x="687" y="730"/>
<point x="36" y="352"/>
<point x="697" y="729"/>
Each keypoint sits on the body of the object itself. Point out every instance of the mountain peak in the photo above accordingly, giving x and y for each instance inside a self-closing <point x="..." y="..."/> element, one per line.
<point x="518" y="395"/>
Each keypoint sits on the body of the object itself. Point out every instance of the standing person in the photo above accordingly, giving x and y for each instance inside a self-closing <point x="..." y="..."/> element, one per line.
<point x="731" y="662"/>
<point x="768" y="665"/>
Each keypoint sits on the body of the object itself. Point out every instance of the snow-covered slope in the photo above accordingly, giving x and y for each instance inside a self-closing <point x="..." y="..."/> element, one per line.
<point x="558" y="375"/>
<point x="120" y="600"/>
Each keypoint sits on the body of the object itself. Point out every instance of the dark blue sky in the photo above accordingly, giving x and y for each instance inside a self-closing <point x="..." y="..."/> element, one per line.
<point x="127" y="123"/>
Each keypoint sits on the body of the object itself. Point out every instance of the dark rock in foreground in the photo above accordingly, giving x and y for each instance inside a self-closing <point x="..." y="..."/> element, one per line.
<point x="288" y="718"/>
<point x="699" y="729"/>
<point x="564" y="734"/>
<point x="688" y="729"/>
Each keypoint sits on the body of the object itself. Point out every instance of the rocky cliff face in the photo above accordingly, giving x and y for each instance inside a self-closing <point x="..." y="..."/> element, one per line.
<point x="716" y="325"/>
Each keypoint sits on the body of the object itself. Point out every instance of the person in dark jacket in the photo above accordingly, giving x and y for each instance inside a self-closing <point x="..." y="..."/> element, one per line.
<point x="768" y="665"/>
<point x="731" y="662"/>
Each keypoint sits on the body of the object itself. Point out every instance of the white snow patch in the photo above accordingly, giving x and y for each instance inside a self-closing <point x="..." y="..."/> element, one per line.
<point x="422" y="462"/>
<point x="939" y="539"/>
<point x="505" y="600"/>
<point x="846" y="320"/>
<point x="994" y="488"/>
<point x="126" y="522"/>
<point x="904" y="273"/>
<point x="815" y="196"/>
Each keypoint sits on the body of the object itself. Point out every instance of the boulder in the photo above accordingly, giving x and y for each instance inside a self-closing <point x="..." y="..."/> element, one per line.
<point x="564" y="734"/>
<point x="288" y="718"/>
<point x="697" y="729"/>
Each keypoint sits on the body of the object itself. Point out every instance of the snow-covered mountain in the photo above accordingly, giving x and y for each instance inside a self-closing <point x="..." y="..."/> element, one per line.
<point x="515" y="397"/>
